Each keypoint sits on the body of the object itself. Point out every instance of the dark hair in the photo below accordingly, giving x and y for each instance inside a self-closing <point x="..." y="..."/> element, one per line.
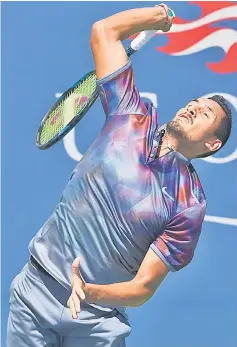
<point x="224" y="130"/>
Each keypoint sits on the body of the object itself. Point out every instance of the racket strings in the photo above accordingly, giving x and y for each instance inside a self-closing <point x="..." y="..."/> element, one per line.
<point x="70" y="106"/>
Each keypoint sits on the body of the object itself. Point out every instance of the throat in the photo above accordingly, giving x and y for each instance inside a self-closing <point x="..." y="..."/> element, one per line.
<point x="165" y="146"/>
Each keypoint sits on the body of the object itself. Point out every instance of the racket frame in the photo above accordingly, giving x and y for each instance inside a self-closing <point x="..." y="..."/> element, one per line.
<point x="67" y="128"/>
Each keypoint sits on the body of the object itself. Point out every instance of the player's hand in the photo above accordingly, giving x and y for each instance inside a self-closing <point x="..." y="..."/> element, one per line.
<point x="165" y="22"/>
<point x="78" y="295"/>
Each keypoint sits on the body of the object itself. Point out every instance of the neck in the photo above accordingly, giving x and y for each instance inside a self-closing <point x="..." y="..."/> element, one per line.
<point x="170" y="142"/>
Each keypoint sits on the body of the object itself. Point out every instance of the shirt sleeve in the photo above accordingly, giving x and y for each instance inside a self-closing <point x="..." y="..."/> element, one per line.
<point x="118" y="93"/>
<point x="176" y="245"/>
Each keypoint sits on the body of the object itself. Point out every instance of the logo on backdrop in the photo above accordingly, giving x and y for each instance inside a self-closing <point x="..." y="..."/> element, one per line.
<point x="191" y="36"/>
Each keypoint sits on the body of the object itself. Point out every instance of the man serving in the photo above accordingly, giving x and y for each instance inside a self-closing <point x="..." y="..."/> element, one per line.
<point x="132" y="211"/>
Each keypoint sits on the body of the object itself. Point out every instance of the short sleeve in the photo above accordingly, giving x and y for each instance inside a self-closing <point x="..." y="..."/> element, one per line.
<point x="118" y="93"/>
<point x="176" y="245"/>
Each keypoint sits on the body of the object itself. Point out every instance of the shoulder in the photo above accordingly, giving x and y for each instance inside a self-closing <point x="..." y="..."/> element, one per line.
<point x="190" y="190"/>
<point x="196" y="184"/>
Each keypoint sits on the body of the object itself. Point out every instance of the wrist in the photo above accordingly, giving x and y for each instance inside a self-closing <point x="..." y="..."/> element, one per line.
<point x="88" y="293"/>
<point x="163" y="19"/>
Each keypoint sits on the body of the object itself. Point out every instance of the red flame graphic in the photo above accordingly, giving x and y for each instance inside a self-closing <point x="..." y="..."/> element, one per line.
<point x="183" y="40"/>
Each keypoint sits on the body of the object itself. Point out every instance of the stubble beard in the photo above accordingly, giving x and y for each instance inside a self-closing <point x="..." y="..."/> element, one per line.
<point x="175" y="129"/>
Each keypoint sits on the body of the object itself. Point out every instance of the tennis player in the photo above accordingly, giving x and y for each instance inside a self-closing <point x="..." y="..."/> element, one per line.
<point x="131" y="213"/>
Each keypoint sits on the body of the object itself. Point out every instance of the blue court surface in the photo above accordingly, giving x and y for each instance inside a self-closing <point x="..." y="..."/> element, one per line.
<point x="45" y="48"/>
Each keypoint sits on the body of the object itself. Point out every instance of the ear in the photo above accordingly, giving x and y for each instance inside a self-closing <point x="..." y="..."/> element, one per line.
<point x="213" y="146"/>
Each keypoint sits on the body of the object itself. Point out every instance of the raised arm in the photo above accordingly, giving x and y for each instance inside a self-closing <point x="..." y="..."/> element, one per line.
<point x="107" y="34"/>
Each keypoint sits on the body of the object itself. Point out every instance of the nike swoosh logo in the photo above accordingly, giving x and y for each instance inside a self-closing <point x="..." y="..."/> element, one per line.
<point x="167" y="194"/>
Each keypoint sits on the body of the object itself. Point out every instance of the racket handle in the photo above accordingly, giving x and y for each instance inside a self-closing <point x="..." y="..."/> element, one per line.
<point x="143" y="38"/>
<point x="140" y="41"/>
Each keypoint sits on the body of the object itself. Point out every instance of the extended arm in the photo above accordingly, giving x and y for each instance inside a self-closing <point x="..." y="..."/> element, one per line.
<point x="175" y="246"/>
<point x="131" y="294"/>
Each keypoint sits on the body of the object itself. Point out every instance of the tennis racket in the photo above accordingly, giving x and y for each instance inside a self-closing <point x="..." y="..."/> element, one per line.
<point x="77" y="100"/>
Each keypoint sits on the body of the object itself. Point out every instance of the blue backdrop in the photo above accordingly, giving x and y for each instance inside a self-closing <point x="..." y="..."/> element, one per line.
<point x="45" y="48"/>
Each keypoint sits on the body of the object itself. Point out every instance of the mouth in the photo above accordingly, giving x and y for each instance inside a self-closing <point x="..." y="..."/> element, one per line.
<point x="187" y="117"/>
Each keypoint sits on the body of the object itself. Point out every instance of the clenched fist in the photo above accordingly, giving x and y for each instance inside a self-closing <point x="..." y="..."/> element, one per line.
<point x="166" y="16"/>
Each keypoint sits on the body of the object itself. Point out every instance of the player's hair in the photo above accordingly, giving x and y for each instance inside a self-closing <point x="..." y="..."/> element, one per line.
<point x="224" y="130"/>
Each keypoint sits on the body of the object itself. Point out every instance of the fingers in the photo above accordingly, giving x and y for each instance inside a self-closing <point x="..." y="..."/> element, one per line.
<point x="79" y="291"/>
<point x="75" y="266"/>
<point x="76" y="272"/>
<point x="165" y="7"/>
<point x="169" y="18"/>
<point x="76" y="301"/>
<point x="167" y="26"/>
<point x="72" y="307"/>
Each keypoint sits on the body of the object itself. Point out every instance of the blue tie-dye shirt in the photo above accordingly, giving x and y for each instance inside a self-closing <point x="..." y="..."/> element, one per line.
<point x="121" y="199"/>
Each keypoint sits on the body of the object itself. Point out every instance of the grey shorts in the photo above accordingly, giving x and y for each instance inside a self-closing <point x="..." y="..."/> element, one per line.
<point x="39" y="316"/>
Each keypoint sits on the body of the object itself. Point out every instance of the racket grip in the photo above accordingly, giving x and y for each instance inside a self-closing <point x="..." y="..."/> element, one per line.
<point x="140" y="41"/>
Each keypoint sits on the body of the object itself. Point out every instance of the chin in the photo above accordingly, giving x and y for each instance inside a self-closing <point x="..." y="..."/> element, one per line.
<point x="176" y="128"/>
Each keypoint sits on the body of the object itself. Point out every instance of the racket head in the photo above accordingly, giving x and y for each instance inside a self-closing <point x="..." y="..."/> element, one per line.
<point x="67" y="111"/>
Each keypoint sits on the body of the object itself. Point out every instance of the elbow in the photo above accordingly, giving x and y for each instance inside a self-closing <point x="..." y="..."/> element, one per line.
<point x="97" y="31"/>
<point x="142" y="300"/>
<point x="101" y="31"/>
<point x="145" y="289"/>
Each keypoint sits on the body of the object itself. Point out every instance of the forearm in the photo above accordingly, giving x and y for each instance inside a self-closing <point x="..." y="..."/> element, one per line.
<point x="129" y="22"/>
<point x="130" y="294"/>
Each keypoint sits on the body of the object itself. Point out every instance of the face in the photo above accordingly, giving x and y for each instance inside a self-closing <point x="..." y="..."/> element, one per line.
<point x="197" y="123"/>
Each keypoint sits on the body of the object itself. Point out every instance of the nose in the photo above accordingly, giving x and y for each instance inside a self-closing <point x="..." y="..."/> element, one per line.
<point x="192" y="110"/>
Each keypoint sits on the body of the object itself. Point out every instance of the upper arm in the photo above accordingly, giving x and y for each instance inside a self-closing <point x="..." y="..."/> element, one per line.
<point x="114" y="73"/>
<point x="108" y="51"/>
<point x="176" y="245"/>
<point x="173" y="249"/>
<point x="118" y="93"/>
